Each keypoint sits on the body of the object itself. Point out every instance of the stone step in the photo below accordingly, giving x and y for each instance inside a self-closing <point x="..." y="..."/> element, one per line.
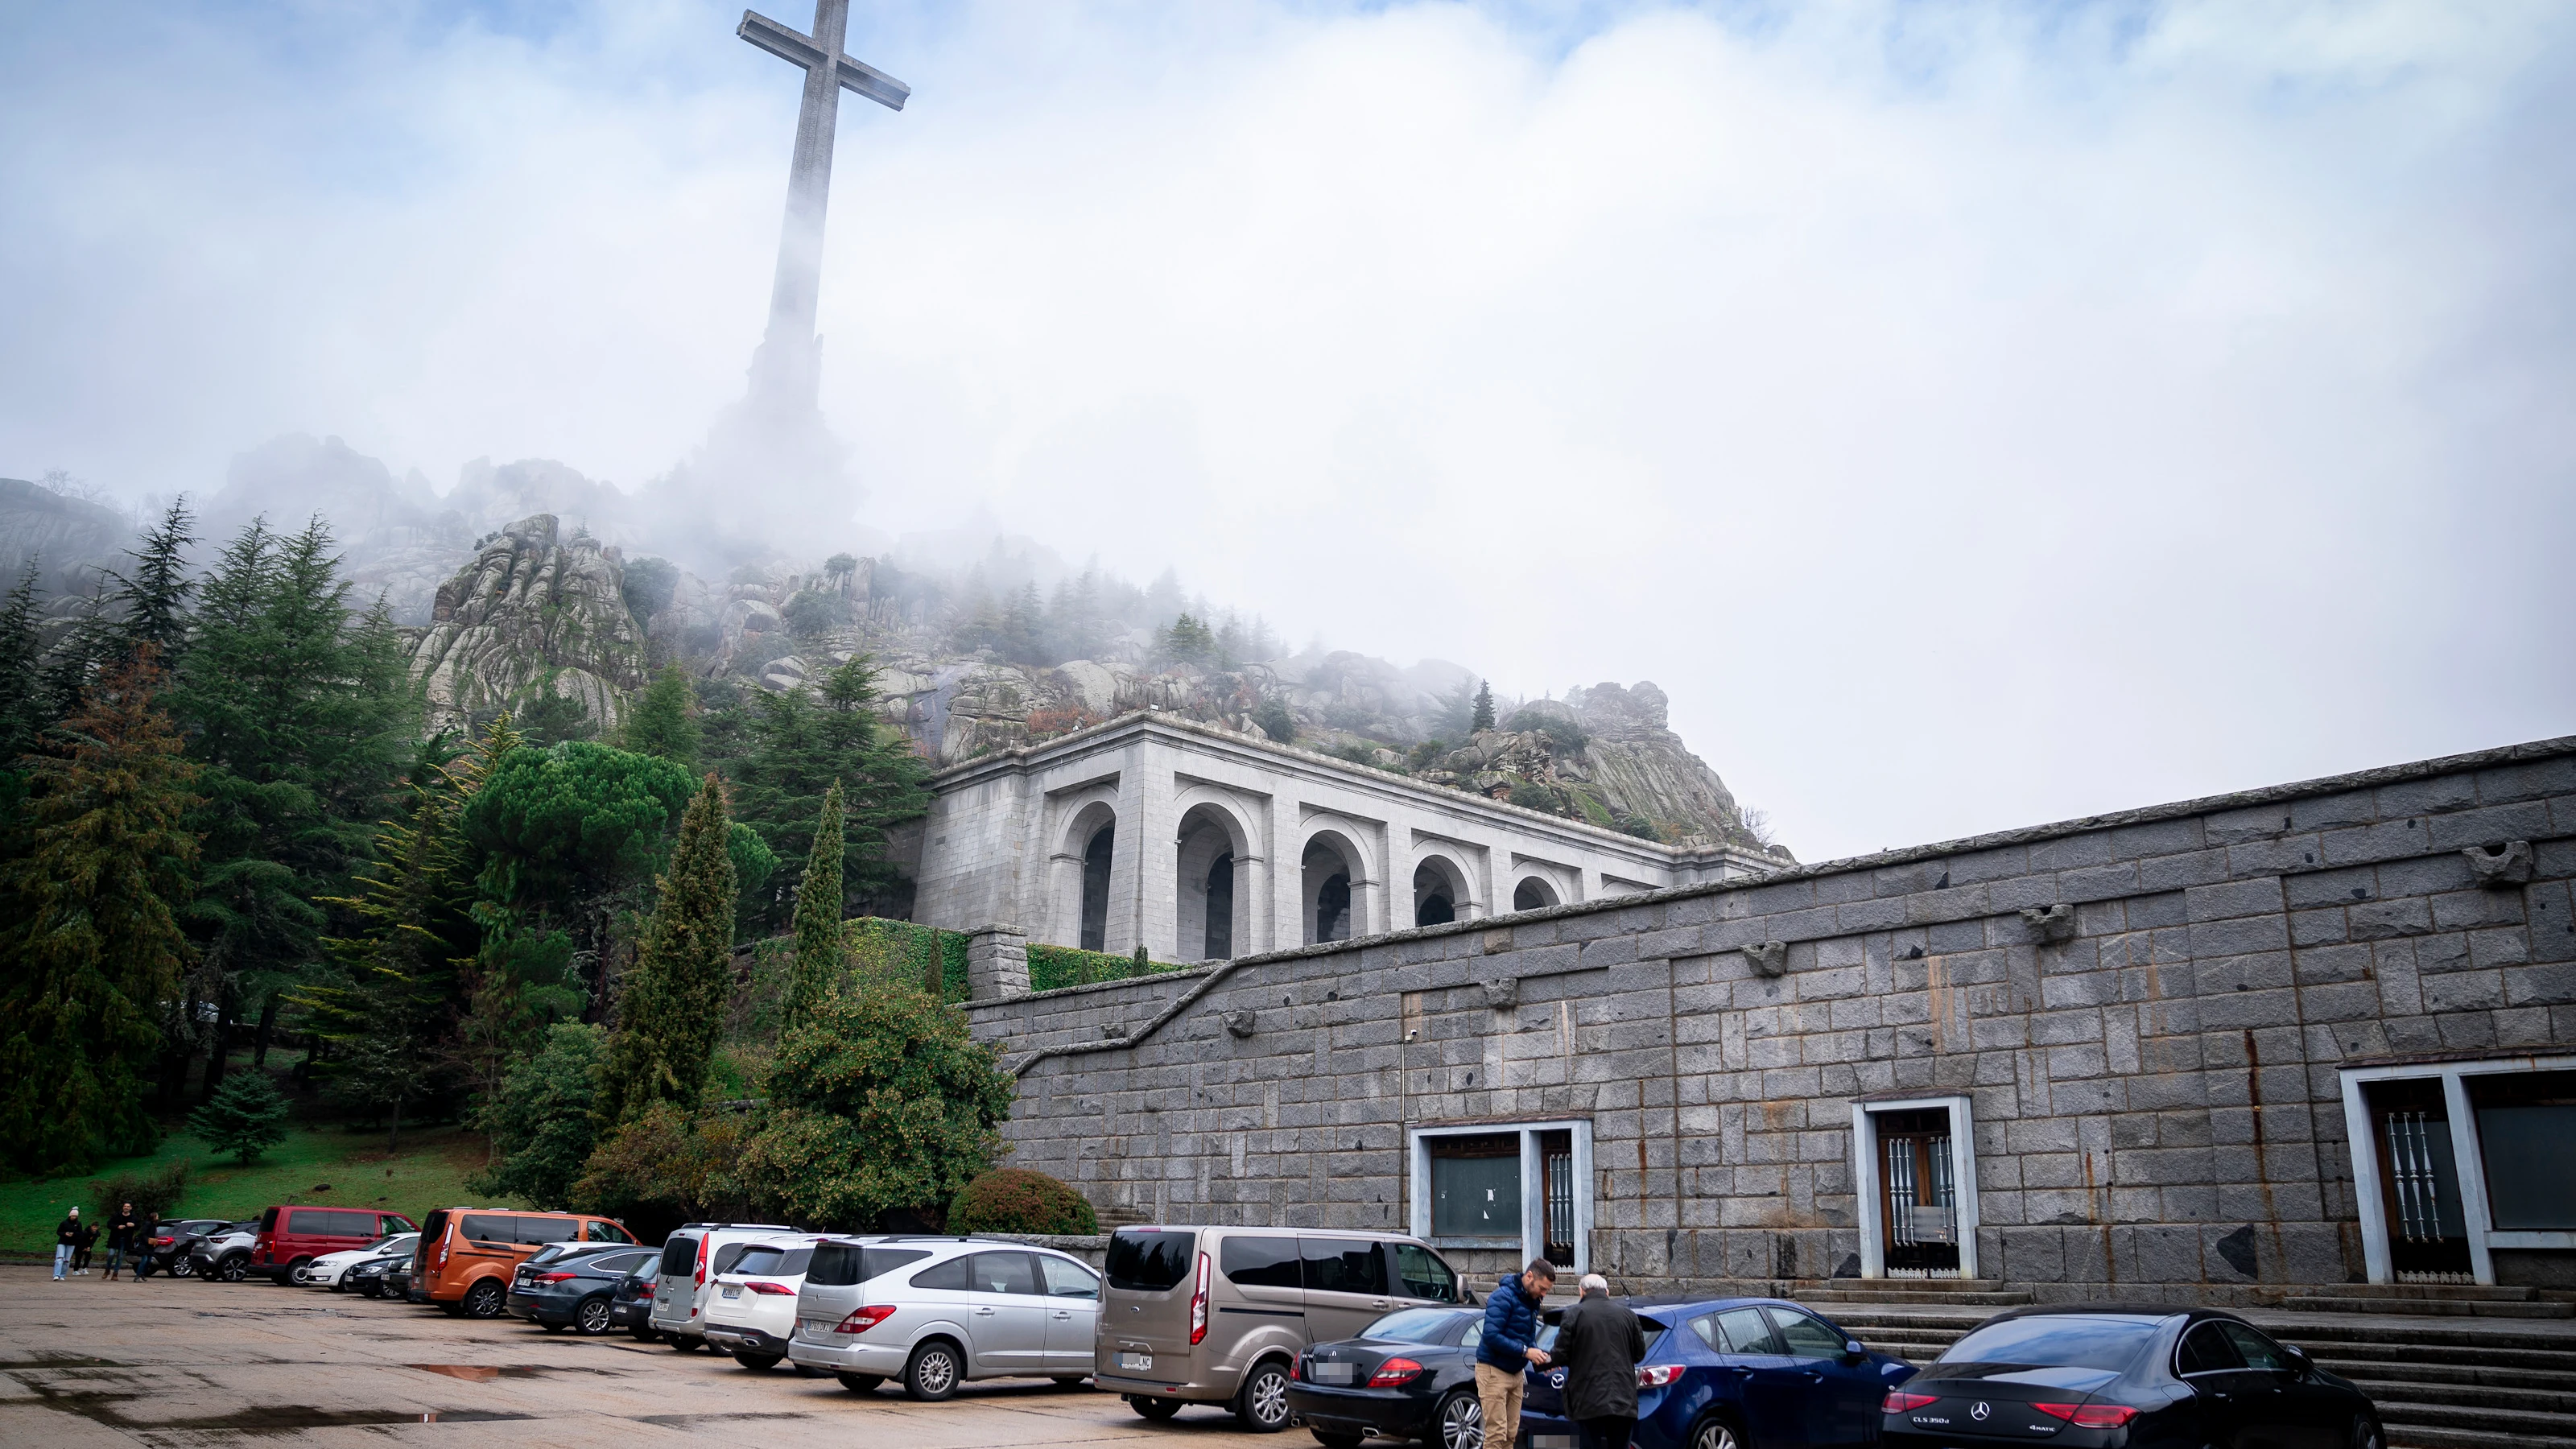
<point x="2411" y="1331"/>
<point x="2404" y="1372"/>
<point x="2561" y="1402"/>
<point x="2427" y="1436"/>
<point x="2427" y="1307"/>
<point x="2394" y="1358"/>
<point x="1954" y="1299"/>
<point x="2463" y="1292"/>
<point x="2523" y="1424"/>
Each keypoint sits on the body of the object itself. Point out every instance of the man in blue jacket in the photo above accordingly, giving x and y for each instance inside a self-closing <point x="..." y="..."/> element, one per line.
<point x="1510" y="1344"/>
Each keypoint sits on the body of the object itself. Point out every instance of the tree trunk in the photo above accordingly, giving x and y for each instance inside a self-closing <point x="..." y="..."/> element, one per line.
<point x="396" y="1134"/>
<point x="267" y="1024"/>
<point x="221" y="1048"/>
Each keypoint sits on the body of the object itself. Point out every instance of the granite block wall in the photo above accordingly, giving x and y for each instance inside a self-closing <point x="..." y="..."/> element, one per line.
<point x="2156" y="1094"/>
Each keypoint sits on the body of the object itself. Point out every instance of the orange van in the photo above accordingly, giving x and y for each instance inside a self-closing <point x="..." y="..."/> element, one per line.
<point x="467" y="1256"/>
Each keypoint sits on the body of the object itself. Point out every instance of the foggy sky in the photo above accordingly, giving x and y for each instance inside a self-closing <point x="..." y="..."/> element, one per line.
<point x="1972" y="416"/>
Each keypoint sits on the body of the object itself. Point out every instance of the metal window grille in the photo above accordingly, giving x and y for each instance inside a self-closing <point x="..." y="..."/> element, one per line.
<point x="1560" y="1201"/>
<point x="2411" y="1171"/>
<point x="1912" y="1221"/>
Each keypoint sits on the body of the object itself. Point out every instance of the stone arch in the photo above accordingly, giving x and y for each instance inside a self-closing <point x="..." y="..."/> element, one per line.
<point x="1535" y="892"/>
<point x="1333" y="887"/>
<point x="1212" y="895"/>
<point x="1440" y="893"/>
<point x="1083" y="858"/>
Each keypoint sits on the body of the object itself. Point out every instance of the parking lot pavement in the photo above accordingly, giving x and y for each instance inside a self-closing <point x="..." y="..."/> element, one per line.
<point x="184" y="1363"/>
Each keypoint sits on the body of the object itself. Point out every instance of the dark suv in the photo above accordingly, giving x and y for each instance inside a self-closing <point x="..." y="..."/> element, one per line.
<point x="166" y="1251"/>
<point x="575" y="1286"/>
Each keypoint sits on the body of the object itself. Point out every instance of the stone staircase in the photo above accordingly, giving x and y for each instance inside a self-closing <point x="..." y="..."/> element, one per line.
<point x="2438" y="1384"/>
<point x="1946" y="1292"/>
<point x="2430" y="1299"/>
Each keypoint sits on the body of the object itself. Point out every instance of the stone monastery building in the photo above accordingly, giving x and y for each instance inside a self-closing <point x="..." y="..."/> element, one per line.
<point x="2231" y="1049"/>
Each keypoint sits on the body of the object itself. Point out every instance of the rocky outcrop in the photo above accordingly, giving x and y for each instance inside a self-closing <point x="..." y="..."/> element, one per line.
<point x="1639" y="767"/>
<point x="66" y="538"/>
<point x="533" y="613"/>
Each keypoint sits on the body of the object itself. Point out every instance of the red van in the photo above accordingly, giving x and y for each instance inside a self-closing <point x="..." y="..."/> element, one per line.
<point x="292" y="1236"/>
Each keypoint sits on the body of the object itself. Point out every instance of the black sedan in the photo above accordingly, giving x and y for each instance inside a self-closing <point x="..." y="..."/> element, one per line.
<point x="630" y="1307"/>
<point x="2096" y="1376"/>
<point x="368" y="1276"/>
<point x="570" y="1286"/>
<point x="1409" y="1375"/>
<point x="167" y="1247"/>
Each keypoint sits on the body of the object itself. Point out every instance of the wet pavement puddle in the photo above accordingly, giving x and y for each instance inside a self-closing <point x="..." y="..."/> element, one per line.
<point x="683" y="1421"/>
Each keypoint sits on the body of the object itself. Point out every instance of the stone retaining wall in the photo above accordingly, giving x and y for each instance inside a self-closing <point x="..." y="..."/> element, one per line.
<point x="2153" y="1070"/>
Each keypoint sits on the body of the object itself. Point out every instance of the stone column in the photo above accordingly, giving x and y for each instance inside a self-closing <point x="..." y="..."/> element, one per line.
<point x="997" y="962"/>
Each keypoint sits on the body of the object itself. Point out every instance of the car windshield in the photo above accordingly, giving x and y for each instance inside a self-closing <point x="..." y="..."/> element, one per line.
<point x="2048" y="1340"/>
<point x="1414" y="1325"/>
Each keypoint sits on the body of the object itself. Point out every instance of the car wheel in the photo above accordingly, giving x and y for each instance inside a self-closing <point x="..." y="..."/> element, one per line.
<point x="232" y="1270"/>
<point x="182" y="1268"/>
<point x="296" y="1270"/>
<point x="860" y="1383"/>
<point x="591" y="1315"/>
<point x="644" y="1334"/>
<point x="371" y="1289"/>
<point x="680" y="1342"/>
<point x="1462" y="1421"/>
<point x="933" y="1373"/>
<point x="486" y="1299"/>
<point x="1158" y="1410"/>
<point x="1338" y="1441"/>
<point x="1718" y="1434"/>
<point x="2366" y="1433"/>
<point x="1262" y="1403"/>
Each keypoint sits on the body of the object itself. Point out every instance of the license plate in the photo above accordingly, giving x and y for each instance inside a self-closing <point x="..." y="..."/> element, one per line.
<point x="1551" y="1441"/>
<point x="816" y="1327"/>
<point x="733" y="1293"/>
<point x="1135" y="1361"/>
<point x="1334" y="1373"/>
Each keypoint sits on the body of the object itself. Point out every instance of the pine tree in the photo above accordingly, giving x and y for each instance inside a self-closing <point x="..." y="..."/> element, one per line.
<point x="245" y="1117"/>
<point x="1483" y="719"/>
<point x="661" y="725"/>
<point x="818" y="914"/>
<point x="153" y="600"/>
<point x="800" y="745"/>
<point x="673" y="1003"/>
<point x="93" y="944"/>
<point x="23" y="698"/>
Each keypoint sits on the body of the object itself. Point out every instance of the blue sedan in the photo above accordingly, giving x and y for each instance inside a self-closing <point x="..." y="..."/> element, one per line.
<point x="1733" y="1373"/>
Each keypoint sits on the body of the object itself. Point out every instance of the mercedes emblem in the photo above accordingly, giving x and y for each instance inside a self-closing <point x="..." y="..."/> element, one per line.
<point x="1982" y="1411"/>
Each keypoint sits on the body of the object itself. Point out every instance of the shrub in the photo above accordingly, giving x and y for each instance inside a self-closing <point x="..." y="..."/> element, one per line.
<point x="1276" y="721"/>
<point x="1564" y="735"/>
<point x="1020" y="1200"/>
<point x="153" y="1194"/>
<point x="647" y="585"/>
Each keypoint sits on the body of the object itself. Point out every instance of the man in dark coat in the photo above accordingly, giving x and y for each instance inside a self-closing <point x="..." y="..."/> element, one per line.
<point x="1510" y="1344"/>
<point x="1600" y="1344"/>
<point x="66" y="1242"/>
<point x="120" y="1238"/>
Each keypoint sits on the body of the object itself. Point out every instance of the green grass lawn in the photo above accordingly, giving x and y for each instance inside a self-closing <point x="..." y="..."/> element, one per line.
<point x="326" y="1165"/>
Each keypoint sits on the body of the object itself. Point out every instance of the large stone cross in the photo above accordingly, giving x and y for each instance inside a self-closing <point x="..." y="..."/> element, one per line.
<point x="788" y="367"/>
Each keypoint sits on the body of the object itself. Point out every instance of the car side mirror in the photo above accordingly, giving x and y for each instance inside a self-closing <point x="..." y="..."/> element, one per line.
<point x="1853" y="1352"/>
<point x="2300" y="1363"/>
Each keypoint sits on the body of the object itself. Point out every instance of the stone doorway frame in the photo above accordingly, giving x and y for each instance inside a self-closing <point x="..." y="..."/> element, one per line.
<point x="1418" y="1140"/>
<point x="2468" y="1157"/>
<point x="1865" y="1177"/>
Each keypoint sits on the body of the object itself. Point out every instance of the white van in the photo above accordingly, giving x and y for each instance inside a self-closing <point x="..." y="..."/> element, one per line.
<point x="691" y="1258"/>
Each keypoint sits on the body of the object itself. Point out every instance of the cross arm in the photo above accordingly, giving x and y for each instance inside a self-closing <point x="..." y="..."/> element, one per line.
<point x="792" y="46"/>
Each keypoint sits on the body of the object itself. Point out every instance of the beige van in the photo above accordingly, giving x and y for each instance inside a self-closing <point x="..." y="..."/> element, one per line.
<point x="1217" y="1315"/>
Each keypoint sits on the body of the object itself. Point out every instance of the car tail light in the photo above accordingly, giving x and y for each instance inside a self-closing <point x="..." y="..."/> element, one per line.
<point x="556" y="1277"/>
<point x="1393" y="1372"/>
<point x="1901" y="1402"/>
<point x="701" y="1280"/>
<point x="775" y="1288"/>
<point x="161" y="1242"/>
<point x="1199" y="1303"/>
<point x="863" y="1320"/>
<point x="2090" y="1416"/>
<point x="1657" y="1375"/>
<point x="1297" y="1369"/>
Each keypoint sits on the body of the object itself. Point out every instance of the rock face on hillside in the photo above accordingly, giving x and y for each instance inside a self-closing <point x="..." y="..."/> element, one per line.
<point x="63" y="537"/>
<point x="1639" y="765"/>
<point x="535" y="612"/>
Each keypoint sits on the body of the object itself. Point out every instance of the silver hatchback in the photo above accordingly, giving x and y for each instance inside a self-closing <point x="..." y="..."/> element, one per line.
<point x="932" y="1313"/>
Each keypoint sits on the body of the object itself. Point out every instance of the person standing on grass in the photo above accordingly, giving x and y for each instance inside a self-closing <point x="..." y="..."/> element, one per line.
<point x="120" y="1238"/>
<point x="1601" y="1343"/>
<point x="66" y="1242"/>
<point x="1510" y="1345"/>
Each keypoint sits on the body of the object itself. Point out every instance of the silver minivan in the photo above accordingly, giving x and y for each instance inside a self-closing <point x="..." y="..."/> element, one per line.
<point x="691" y="1258"/>
<point x="1218" y="1315"/>
<point x="933" y="1312"/>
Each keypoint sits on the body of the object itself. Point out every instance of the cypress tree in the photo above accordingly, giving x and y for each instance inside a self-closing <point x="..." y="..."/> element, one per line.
<point x="1483" y="719"/>
<point x="818" y="914"/>
<point x="674" y="998"/>
<point x="93" y="946"/>
<point x="661" y="726"/>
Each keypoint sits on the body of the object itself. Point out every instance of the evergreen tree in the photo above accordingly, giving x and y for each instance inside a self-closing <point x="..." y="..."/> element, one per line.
<point x="799" y="745"/>
<point x="818" y="913"/>
<point x="540" y="1121"/>
<point x="1483" y="717"/>
<point x="673" y="1003"/>
<point x="153" y="601"/>
<point x="24" y="701"/>
<point x="661" y="725"/>
<point x="92" y="942"/>
<point x="245" y="1117"/>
